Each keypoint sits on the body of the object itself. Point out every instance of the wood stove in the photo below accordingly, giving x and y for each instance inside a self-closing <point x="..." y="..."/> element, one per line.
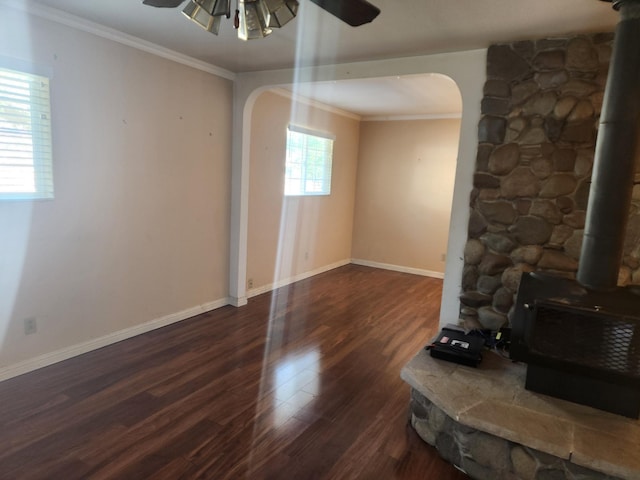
<point x="581" y="339"/>
<point x="580" y="345"/>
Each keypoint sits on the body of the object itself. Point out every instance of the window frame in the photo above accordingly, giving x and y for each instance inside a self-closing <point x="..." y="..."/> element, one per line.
<point x="39" y="133"/>
<point x="304" y="179"/>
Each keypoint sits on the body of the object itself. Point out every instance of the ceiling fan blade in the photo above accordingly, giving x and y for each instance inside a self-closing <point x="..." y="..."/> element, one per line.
<point x="163" y="3"/>
<point x="353" y="12"/>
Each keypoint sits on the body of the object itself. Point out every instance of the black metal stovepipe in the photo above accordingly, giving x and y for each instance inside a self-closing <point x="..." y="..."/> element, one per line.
<point x="615" y="157"/>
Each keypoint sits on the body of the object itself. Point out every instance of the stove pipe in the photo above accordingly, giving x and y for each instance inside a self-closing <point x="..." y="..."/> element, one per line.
<point x="614" y="163"/>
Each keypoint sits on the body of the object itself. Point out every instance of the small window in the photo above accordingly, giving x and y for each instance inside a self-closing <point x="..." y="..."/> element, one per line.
<point x="308" y="165"/>
<point x="25" y="136"/>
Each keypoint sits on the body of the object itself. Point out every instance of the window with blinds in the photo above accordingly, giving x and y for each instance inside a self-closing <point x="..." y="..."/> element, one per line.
<point x="25" y="136"/>
<point x="308" y="163"/>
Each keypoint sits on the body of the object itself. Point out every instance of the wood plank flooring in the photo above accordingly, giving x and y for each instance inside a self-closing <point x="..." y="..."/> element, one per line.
<point x="302" y="383"/>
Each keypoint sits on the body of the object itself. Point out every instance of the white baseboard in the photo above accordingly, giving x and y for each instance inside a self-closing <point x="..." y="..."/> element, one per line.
<point x="287" y="281"/>
<point x="398" y="268"/>
<point x="47" y="359"/>
<point x="238" y="301"/>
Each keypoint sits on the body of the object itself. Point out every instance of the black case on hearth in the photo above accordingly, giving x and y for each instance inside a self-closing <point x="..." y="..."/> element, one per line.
<point x="453" y="345"/>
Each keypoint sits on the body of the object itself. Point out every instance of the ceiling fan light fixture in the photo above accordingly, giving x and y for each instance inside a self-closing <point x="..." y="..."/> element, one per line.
<point x="257" y="18"/>
<point x="222" y="7"/>
<point x="254" y="19"/>
<point x="282" y="12"/>
<point x="200" y="12"/>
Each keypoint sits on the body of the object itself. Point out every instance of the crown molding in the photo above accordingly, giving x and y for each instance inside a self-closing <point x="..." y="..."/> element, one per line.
<point x="427" y="116"/>
<point x="313" y="103"/>
<point x="78" y="23"/>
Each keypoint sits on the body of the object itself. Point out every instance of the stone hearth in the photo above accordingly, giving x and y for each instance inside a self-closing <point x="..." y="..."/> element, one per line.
<point x="487" y="424"/>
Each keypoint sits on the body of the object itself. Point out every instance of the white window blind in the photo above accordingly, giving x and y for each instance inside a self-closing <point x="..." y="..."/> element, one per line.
<point x="25" y="136"/>
<point x="308" y="163"/>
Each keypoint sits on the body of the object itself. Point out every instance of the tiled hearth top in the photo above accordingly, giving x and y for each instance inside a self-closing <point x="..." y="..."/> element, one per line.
<point x="492" y="398"/>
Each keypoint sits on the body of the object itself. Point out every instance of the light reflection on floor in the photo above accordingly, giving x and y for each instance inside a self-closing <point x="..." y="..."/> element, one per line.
<point x="289" y="382"/>
<point x="296" y="383"/>
<point x="288" y="385"/>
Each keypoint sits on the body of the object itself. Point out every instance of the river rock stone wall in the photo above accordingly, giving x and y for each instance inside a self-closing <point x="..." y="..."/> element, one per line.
<point x="540" y="113"/>
<point x="486" y="457"/>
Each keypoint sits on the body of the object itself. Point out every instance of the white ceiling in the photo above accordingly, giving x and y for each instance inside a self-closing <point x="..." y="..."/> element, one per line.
<point x="404" y="28"/>
<point x="408" y="96"/>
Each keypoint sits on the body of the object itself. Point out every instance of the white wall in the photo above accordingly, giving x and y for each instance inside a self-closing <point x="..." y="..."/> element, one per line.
<point x="139" y="228"/>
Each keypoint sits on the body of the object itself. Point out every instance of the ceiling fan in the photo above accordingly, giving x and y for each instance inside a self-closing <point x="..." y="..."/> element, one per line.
<point x="256" y="18"/>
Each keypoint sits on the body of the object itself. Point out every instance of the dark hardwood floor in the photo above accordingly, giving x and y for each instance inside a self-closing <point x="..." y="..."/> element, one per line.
<point x="303" y="383"/>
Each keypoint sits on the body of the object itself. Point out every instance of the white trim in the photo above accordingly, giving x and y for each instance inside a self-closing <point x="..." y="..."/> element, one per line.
<point x="283" y="92"/>
<point x="111" y="338"/>
<point x="73" y="21"/>
<point x="238" y="301"/>
<point x="398" y="268"/>
<point x="424" y="116"/>
<point x="302" y="276"/>
<point x="309" y="131"/>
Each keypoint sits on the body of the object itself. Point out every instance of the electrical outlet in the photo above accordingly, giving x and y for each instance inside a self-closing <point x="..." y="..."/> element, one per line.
<point x="443" y="257"/>
<point x="250" y="283"/>
<point x="30" y="326"/>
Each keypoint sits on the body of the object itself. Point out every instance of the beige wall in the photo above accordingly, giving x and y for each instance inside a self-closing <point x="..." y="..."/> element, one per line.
<point x="288" y="237"/>
<point x="139" y="227"/>
<point x="406" y="173"/>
